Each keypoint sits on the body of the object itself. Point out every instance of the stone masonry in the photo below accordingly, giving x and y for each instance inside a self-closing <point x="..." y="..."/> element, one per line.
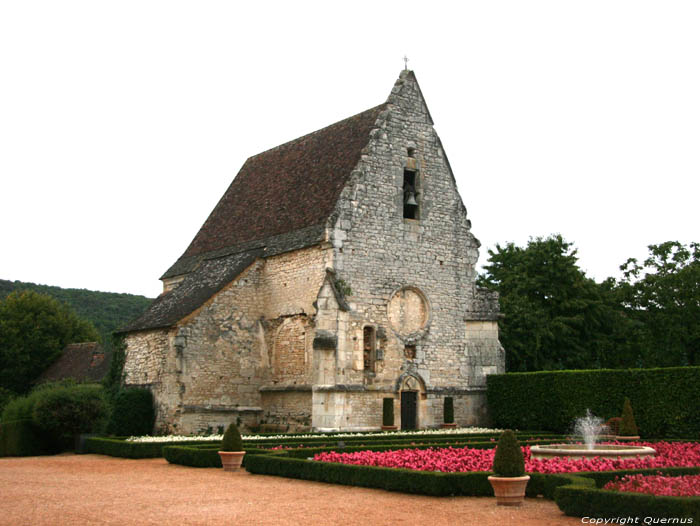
<point x="313" y="327"/>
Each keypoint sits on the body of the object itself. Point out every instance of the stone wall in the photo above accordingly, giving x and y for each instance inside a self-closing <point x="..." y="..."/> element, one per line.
<point x="255" y="332"/>
<point x="413" y="280"/>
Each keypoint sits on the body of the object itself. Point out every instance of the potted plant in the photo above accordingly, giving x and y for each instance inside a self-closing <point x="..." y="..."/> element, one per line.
<point x="448" y="413"/>
<point x="388" y="415"/>
<point x="232" y="449"/>
<point x="509" y="480"/>
<point x="628" y="427"/>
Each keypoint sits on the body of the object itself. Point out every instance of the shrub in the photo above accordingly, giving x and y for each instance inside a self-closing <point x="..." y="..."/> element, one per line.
<point x="70" y="410"/>
<point x="524" y="400"/>
<point x="508" y="460"/>
<point x="628" y="427"/>
<point x="448" y="410"/>
<point x="388" y="412"/>
<point x="232" y="439"/>
<point x="133" y="413"/>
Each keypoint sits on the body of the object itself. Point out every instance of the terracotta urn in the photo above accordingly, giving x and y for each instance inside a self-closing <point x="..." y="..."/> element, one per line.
<point x="509" y="491"/>
<point x="231" y="460"/>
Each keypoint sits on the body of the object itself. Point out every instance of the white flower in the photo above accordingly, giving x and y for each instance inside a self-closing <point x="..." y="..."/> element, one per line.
<point x="216" y="438"/>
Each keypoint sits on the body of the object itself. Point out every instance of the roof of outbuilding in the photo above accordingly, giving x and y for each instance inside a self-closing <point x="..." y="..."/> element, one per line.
<point x="84" y="362"/>
<point x="279" y="201"/>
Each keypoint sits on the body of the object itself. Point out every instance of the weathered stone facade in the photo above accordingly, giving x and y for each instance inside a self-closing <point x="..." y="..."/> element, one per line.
<point x="382" y="303"/>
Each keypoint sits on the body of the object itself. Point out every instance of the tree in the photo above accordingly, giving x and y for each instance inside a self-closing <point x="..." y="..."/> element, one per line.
<point x="34" y="329"/>
<point x="554" y="316"/>
<point x="663" y="295"/>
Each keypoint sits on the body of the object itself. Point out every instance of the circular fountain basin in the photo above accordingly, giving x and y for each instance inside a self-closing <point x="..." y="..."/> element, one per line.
<point x="579" y="451"/>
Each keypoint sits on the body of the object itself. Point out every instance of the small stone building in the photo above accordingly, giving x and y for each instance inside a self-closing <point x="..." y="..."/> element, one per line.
<point x="83" y="362"/>
<point x="338" y="269"/>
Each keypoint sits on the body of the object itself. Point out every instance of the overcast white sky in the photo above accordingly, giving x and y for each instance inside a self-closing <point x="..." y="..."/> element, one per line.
<point x="122" y="123"/>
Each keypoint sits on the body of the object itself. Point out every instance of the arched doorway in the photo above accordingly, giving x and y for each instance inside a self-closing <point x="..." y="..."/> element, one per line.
<point x="410" y="389"/>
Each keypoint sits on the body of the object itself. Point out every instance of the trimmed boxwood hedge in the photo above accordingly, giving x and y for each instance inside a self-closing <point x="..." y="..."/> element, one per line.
<point x="664" y="400"/>
<point x="201" y="456"/>
<point x="432" y="483"/>
<point x="578" y="501"/>
<point x="22" y="438"/>
<point x="119" y="447"/>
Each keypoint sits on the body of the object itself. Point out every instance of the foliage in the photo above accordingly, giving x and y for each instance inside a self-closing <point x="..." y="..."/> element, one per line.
<point x="662" y="295"/>
<point x="21" y="438"/>
<point x="448" y="410"/>
<point x="108" y="311"/>
<point x="70" y="410"/>
<point x="628" y="427"/>
<point x="388" y="412"/>
<point x="113" y="379"/>
<point x="232" y="439"/>
<point x="34" y="329"/>
<point x="578" y="501"/>
<point x="132" y="413"/>
<point x="554" y="316"/>
<point x="116" y="447"/>
<point x="508" y="460"/>
<point x="433" y="483"/>
<point x="665" y="400"/>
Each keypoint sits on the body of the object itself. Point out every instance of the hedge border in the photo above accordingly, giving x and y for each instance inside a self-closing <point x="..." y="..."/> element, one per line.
<point x="576" y="500"/>
<point x="431" y="483"/>
<point x="524" y="399"/>
<point x="119" y="447"/>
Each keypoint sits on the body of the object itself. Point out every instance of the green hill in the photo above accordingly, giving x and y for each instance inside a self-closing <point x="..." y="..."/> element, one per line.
<point x="106" y="310"/>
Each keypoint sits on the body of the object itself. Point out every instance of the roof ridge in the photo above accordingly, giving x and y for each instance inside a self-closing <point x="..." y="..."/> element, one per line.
<point x="341" y="121"/>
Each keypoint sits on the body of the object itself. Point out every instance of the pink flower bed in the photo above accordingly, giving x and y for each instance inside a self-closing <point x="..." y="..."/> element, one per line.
<point x="685" y="486"/>
<point x="668" y="454"/>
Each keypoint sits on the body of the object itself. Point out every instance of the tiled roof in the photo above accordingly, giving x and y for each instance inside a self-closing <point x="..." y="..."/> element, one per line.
<point x="197" y="287"/>
<point x="84" y="362"/>
<point x="279" y="201"/>
<point x="289" y="188"/>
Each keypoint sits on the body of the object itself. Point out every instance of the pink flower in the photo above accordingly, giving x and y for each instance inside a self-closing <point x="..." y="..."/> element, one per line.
<point x="456" y="459"/>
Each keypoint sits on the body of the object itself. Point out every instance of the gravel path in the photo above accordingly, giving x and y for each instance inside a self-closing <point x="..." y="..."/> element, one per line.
<point x="93" y="489"/>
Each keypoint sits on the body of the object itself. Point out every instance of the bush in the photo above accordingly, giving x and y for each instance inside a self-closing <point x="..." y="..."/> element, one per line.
<point x="508" y="460"/>
<point x="524" y="400"/>
<point x="578" y="501"/>
<point x="448" y="410"/>
<point x="628" y="427"/>
<point x="133" y="413"/>
<point x="21" y="438"/>
<point x="232" y="439"/>
<point x="388" y="412"/>
<point x="70" y="410"/>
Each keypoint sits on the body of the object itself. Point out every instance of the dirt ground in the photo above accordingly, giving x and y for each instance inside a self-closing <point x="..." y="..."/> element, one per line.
<point x="93" y="489"/>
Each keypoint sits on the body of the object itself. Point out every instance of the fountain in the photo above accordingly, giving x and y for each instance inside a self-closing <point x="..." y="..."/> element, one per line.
<point x="589" y="428"/>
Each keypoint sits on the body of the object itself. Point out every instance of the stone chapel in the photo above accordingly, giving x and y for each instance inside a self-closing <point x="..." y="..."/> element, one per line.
<point x="337" y="269"/>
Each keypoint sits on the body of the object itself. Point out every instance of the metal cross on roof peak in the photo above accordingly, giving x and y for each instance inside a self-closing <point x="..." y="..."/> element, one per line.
<point x="405" y="62"/>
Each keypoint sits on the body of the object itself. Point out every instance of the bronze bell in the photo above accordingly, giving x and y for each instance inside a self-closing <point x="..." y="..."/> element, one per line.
<point x="411" y="199"/>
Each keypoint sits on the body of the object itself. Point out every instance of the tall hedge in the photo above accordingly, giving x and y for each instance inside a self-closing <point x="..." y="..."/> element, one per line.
<point x="664" y="400"/>
<point x="133" y="413"/>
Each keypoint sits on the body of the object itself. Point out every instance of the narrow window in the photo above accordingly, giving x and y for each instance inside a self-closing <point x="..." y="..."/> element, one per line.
<point x="410" y="195"/>
<point x="369" y="347"/>
<point x="411" y="152"/>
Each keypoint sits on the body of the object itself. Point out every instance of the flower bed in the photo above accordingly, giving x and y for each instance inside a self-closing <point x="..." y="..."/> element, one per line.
<point x="683" y="486"/>
<point x="425" y="432"/>
<point x="668" y="454"/>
